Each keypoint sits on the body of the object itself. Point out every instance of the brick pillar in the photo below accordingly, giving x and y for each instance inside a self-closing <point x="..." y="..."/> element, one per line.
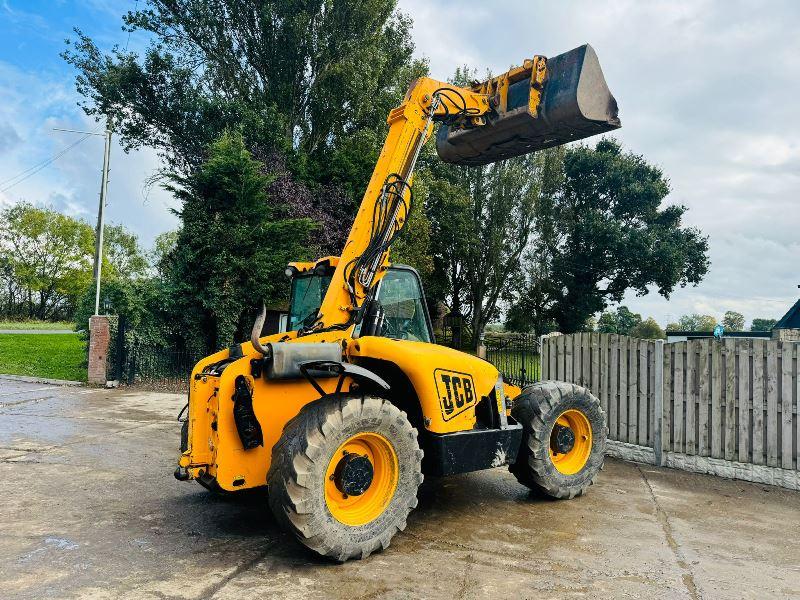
<point x="99" y="339"/>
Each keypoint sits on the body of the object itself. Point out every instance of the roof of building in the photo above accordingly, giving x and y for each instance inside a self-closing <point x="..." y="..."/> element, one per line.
<point x="710" y="334"/>
<point x="791" y="320"/>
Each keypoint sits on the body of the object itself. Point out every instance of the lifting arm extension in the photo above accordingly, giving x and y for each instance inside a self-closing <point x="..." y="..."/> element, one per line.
<point x="387" y="201"/>
<point x="384" y="208"/>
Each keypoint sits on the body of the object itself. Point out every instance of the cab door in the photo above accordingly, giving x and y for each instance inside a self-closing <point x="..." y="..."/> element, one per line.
<point x="405" y="313"/>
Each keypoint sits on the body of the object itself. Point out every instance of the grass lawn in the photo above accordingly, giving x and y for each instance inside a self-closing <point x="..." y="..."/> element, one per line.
<point x="54" y="356"/>
<point x="37" y="325"/>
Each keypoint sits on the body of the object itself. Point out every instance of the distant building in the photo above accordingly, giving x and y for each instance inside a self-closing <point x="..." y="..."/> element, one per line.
<point x="788" y="328"/>
<point x="682" y="336"/>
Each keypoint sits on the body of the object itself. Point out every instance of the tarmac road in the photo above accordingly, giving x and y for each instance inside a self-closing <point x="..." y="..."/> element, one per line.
<point x="90" y="510"/>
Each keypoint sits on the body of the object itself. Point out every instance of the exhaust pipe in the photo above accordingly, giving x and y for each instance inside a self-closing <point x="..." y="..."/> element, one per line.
<point x="256" y="332"/>
<point x="576" y="103"/>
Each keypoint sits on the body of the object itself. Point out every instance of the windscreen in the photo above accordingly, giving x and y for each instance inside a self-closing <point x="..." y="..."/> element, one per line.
<point x="308" y="291"/>
<point x="404" y="313"/>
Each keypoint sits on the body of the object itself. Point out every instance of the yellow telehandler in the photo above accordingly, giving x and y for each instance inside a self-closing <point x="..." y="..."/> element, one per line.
<point x="341" y="415"/>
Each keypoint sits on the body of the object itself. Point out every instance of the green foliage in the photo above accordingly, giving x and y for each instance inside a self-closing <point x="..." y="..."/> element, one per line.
<point x="53" y="355"/>
<point x="733" y="321"/>
<point x="760" y="324"/>
<point x="648" y="330"/>
<point x="314" y="80"/>
<point x="47" y="257"/>
<point x="232" y="248"/>
<point x="695" y="322"/>
<point x="47" y="261"/>
<point x="413" y="245"/>
<point x="621" y="321"/>
<point x="143" y="302"/>
<point x="159" y="257"/>
<point x="123" y="258"/>
<point x="481" y="220"/>
<point x="602" y="231"/>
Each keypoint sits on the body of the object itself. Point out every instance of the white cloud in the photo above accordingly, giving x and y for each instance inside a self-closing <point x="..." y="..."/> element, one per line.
<point x="707" y="90"/>
<point x="36" y="103"/>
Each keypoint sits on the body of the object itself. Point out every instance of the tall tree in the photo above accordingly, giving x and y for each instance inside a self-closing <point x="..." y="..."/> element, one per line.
<point x="49" y="258"/>
<point x="481" y="220"/>
<point x="604" y="232"/>
<point x="621" y="321"/>
<point x="232" y="248"/>
<point x="733" y="321"/>
<point x="696" y="322"/>
<point x="318" y="77"/>
<point x="648" y="329"/>
<point x="122" y="252"/>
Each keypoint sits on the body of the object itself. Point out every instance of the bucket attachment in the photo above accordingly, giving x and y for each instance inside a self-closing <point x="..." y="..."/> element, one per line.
<point x="572" y="103"/>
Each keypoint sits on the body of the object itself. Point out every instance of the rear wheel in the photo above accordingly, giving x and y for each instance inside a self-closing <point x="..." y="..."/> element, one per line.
<point x="344" y="475"/>
<point x="564" y="438"/>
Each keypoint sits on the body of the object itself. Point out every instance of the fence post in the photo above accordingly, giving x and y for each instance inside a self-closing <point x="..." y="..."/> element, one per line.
<point x="119" y="358"/>
<point x="658" y="426"/>
<point x="543" y="372"/>
<point x="481" y="349"/>
<point x="132" y="364"/>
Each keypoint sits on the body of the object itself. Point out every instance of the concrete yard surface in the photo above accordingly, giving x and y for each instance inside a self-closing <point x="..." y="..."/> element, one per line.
<point x="90" y="509"/>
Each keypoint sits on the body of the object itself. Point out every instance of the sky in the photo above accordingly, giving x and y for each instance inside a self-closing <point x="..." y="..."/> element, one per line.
<point x="707" y="91"/>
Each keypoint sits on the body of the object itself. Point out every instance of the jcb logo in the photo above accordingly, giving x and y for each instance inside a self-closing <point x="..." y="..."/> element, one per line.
<point x="456" y="392"/>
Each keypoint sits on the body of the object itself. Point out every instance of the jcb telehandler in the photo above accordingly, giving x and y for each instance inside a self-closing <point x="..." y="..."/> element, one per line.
<point x="341" y="416"/>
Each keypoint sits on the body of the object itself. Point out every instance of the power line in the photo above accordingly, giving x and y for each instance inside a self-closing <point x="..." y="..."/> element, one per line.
<point x="30" y="171"/>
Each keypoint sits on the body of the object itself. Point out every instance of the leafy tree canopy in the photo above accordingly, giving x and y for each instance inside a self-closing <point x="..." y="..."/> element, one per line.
<point x="604" y="231"/>
<point x="696" y="322"/>
<point x="733" y="321"/>
<point x="232" y="249"/>
<point x="621" y="321"/>
<point x="760" y="324"/>
<point x="47" y="260"/>
<point x="648" y="329"/>
<point x="481" y="219"/>
<point x="318" y="77"/>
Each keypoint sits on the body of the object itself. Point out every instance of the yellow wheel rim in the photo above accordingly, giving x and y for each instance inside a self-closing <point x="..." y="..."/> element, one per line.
<point x="369" y="505"/>
<point x="574" y="459"/>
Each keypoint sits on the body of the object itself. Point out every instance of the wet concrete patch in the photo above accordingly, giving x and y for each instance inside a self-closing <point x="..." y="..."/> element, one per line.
<point x="91" y="509"/>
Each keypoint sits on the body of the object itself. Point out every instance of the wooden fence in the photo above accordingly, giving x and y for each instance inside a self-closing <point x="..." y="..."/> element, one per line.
<point x="729" y="407"/>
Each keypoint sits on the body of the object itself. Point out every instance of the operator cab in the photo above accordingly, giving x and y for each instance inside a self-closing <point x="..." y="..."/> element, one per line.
<point x="399" y="295"/>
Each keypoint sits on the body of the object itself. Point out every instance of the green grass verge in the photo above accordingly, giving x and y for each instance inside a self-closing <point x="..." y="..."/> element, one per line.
<point x="53" y="356"/>
<point x="37" y="325"/>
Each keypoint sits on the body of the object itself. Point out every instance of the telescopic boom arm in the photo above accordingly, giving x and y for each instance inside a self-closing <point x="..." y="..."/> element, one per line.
<point x="387" y="201"/>
<point x="543" y="103"/>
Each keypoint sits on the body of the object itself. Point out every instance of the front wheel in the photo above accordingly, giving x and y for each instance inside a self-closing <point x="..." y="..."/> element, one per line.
<point x="564" y="438"/>
<point x="344" y="475"/>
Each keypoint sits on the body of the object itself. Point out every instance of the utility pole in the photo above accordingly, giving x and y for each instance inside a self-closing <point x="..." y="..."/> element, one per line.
<point x="98" y="240"/>
<point x="98" y="248"/>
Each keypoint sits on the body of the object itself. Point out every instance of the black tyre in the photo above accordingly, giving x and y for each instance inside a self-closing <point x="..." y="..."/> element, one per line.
<point x="564" y="438"/>
<point x="344" y="475"/>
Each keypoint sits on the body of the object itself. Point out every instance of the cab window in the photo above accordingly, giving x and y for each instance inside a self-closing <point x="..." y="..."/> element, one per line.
<point x="308" y="291"/>
<point x="404" y="312"/>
